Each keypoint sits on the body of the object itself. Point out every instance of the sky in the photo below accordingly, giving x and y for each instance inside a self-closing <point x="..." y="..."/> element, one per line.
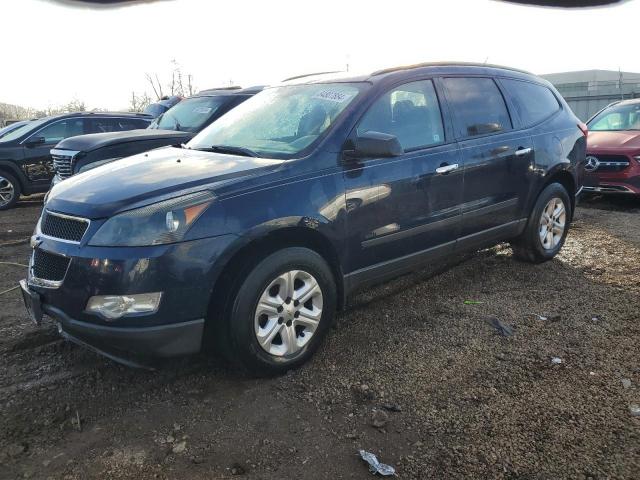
<point x="56" y="52"/>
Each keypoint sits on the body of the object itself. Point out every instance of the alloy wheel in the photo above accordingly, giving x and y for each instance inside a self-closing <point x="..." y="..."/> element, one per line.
<point x="552" y="223"/>
<point x="7" y="191"/>
<point x="288" y="313"/>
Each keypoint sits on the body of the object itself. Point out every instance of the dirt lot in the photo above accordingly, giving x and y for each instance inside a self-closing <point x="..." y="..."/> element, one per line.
<point x="452" y="398"/>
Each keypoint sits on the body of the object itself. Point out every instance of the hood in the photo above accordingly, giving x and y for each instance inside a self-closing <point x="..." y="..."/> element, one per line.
<point x="93" y="141"/>
<point x="141" y="179"/>
<point x="623" y="140"/>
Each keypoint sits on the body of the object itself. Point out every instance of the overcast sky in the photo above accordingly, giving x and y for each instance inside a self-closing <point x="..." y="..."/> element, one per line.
<point x="56" y="52"/>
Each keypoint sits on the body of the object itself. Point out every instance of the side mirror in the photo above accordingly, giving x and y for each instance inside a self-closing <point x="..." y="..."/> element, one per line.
<point x="35" y="141"/>
<point x="375" y="145"/>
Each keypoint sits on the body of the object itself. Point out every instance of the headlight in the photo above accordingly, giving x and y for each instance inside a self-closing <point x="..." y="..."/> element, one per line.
<point x="156" y="224"/>
<point x="637" y="157"/>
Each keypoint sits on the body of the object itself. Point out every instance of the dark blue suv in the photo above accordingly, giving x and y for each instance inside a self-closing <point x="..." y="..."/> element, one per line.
<point x="252" y="235"/>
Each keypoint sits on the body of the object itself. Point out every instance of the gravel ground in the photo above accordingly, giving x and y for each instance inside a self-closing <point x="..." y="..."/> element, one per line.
<point x="410" y="372"/>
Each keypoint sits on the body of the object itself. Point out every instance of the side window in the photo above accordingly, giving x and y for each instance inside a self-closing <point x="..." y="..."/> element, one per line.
<point x="533" y="102"/>
<point x="60" y="130"/>
<point x="104" y="125"/>
<point x="410" y="112"/>
<point x="135" y="123"/>
<point x="478" y="106"/>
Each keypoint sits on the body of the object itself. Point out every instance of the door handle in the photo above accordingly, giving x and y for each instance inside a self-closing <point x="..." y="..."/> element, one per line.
<point x="523" y="151"/>
<point x="442" y="169"/>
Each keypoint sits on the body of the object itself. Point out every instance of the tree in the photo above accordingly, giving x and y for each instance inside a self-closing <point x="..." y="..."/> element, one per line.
<point x="75" y="105"/>
<point x="180" y="84"/>
<point x="139" y="102"/>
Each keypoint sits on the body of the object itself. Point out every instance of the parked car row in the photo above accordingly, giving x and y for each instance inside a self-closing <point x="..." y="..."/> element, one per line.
<point x="174" y="127"/>
<point x="251" y="235"/>
<point x="25" y="152"/>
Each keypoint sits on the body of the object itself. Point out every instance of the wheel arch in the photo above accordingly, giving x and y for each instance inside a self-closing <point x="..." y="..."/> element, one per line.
<point x="13" y="170"/>
<point x="251" y="249"/>
<point x="566" y="179"/>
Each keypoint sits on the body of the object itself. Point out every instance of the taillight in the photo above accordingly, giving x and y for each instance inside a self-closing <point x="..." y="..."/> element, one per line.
<point x="584" y="129"/>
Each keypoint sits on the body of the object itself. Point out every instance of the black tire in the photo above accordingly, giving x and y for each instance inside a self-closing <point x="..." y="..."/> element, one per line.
<point x="6" y="179"/>
<point x="236" y="335"/>
<point x="528" y="246"/>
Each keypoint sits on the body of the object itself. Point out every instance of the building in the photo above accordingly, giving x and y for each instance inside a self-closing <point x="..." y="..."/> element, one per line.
<point x="588" y="91"/>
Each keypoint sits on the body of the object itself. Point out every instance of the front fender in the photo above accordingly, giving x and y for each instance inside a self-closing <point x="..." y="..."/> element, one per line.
<point x="316" y="202"/>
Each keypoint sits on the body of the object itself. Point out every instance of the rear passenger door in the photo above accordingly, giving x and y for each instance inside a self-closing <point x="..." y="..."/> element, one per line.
<point x="496" y="157"/>
<point x="406" y="208"/>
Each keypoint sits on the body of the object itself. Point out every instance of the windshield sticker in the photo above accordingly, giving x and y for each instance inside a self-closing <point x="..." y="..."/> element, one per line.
<point x="202" y="110"/>
<point x="333" y="96"/>
<point x="436" y="137"/>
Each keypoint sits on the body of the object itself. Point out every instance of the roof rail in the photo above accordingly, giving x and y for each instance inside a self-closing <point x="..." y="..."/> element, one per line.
<point x="310" y="75"/>
<point x="234" y="87"/>
<point x="445" y="64"/>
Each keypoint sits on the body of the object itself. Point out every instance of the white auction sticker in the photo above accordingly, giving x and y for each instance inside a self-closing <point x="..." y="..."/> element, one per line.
<point x="333" y="96"/>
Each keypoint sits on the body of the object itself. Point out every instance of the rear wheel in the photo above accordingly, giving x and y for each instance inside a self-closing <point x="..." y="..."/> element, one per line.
<point x="547" y="226"/>
<point x="280" y="312"/>
<point x="9" y="191"/>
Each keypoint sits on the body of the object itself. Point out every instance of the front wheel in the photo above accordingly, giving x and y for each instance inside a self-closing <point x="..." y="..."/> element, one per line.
<point x="9" y="191"/>
<point x="281" y="311"/>
<point x="547" y="226"/>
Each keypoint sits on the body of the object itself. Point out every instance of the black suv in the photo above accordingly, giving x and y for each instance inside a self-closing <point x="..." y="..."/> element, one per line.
<point x="25" y="161"/>
<point x="174" y="127"/>
<point x="252" y="235"/>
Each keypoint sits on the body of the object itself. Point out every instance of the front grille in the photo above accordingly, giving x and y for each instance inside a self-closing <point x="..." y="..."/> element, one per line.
<point x="63" y="227"/>
<point x="62" y="164"/>
<point x="612" y="163"/>
<point x="47" y="266"/>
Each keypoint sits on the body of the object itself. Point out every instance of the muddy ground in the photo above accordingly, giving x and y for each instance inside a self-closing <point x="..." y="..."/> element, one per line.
<point x="452" y="398"/>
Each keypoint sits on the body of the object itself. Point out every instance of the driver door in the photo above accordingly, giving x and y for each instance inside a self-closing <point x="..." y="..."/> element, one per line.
<point x="37" y="157"/>
<point x="404" y="210"/>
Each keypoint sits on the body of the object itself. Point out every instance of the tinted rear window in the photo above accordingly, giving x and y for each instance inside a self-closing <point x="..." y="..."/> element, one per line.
<point x="478" y="106"/>
<point x="533" y="102"/>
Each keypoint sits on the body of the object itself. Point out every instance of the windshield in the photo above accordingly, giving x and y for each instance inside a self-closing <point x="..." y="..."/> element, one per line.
<point x="189" y="115"/>
<point x="619" y="117"/>
<point x="279" y="122"/>
<point x="18" y="132"/>
<point x="10" y="128"/>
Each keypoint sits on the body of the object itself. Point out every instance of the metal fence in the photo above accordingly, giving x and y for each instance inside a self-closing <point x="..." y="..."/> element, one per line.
<point x="586" y="98"/>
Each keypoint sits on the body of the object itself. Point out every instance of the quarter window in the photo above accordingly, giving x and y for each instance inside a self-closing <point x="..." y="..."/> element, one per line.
<point x="533" y="102"/>
<point x="410" y="112"/>
<point x="478" y="106"/>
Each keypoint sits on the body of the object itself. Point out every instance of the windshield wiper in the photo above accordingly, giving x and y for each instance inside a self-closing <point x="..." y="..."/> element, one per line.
<point x="233" y="150"/>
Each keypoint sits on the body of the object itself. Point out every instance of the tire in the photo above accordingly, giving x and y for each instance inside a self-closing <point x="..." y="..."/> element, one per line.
<point x="259" y="307"/>
<point x="530" y="246"/>
<point x="9" y="191"/>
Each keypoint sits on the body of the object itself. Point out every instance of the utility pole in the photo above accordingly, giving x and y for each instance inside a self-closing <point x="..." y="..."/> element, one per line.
<point x="620" y="83"/>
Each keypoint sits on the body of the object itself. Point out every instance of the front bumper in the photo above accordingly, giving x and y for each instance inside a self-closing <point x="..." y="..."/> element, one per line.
<point x="624" y="181"/>
<point x="185" y="274"/>
<point x="169" y="340"/>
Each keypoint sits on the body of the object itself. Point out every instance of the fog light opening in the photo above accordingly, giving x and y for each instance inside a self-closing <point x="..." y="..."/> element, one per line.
<point x="112" y="307"/>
